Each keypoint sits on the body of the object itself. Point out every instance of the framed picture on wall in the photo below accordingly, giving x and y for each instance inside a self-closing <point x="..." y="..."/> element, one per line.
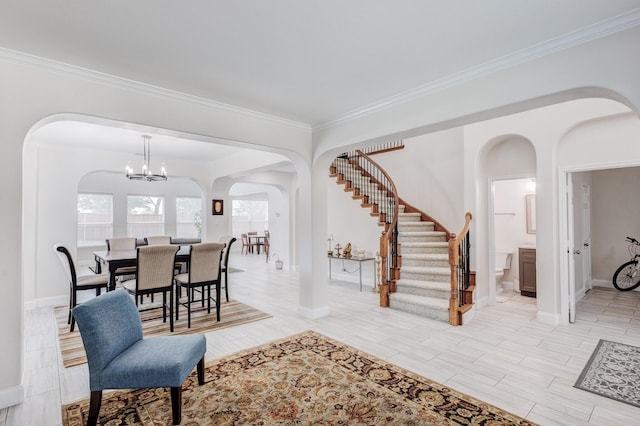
<point x="217" y="207"/>
<point x="531" y="213"/>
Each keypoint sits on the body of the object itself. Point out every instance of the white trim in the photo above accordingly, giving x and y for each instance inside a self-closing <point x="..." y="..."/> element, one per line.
<point x="11" y="396"/>
<point x="589" y="33"/>
<point x="313" y="313"/>
<point x="50" y="65"/>
<point x="550" y="318"/>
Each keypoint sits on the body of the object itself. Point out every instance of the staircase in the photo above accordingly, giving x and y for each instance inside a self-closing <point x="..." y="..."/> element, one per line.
<point x="418" y="266"/>
<point x="425" y="275"/>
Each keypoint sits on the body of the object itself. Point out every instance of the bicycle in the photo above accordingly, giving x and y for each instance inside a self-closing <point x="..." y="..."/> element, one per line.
<point x="627" y="276"/>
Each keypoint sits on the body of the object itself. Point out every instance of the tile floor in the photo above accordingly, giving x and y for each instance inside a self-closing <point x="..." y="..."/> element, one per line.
<point x="503" y="356"/>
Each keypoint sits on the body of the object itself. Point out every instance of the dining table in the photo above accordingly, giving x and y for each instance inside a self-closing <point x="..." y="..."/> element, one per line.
<point x="114" y="259"/>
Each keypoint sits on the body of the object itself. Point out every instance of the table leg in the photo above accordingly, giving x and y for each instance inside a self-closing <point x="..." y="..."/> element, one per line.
<point x="360" y="273"/>
<point x="329" y="268"/>
<point x="112" y="279"/>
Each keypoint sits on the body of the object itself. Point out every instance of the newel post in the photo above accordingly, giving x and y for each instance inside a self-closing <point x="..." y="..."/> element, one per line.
<point x="453" y="298"/>
<point x="384" y="284"/>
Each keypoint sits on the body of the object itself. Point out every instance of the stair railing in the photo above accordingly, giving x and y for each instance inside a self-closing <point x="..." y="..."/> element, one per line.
<point x="459" y="260"/>
<point x="374" y="186"/>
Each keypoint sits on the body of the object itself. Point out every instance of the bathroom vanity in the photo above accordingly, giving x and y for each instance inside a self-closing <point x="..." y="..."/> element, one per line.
<point x="527" y="267"/>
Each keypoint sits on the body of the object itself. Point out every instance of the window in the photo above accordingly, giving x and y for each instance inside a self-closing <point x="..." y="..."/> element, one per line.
<point x="249" y="215"/>
<point x="95" y="218"/>
<point x="145" y="216"/>
<point x="188" y="217"/>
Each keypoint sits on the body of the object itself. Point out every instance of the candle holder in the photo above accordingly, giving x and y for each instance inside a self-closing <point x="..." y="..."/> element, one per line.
<point x="338" y="247"/>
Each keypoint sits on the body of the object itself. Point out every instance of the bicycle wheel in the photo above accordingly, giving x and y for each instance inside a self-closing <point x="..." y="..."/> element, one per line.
<point x="627" y="277"/>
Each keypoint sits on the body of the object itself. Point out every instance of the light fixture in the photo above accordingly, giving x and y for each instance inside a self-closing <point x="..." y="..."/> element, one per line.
<point x="146" y="166"/>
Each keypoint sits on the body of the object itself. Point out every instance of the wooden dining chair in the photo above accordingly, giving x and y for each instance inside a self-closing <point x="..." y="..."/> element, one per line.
<point x="155" y="266"/>
<point x="245" y="244"/>
<point x="204" y="271"/>
<point x="78" y="283"/>
<point x="266" y="244"/>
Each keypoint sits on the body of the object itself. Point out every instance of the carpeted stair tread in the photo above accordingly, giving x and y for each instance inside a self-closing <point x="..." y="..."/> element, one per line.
<point x="432" y="285"/>
<point x="424" y="233"/>
<point x="427" y="244"/>
<point x="423" y="301"/>
<point x="426" y="256"/>
<point x="434" y="270"/>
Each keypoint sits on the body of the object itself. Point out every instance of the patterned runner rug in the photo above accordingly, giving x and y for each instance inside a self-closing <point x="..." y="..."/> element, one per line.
<point x="304" y="379"/>
<point x="613" y="371"/>
<point x="232" y="313"/>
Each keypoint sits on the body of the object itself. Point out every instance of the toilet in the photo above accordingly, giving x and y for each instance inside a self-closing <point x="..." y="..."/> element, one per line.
<point x="503" y="263"/>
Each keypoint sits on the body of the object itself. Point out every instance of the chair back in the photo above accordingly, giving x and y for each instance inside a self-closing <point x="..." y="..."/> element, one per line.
<point x="121" y="243"/>
<point x="155" y="265"/>
<point x="162" y="239"/>
<point x="252" y="233"/>
<point x="108" y="324"/>
<point x="245" y="239"/>
<point x="227" y="240"/>
<point x="67" y="262"/>
<point x="204" y="262"/>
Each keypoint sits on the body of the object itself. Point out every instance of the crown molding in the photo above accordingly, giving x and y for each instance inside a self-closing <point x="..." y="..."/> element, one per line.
<point x="584" y="35"/>
<point x="50" y="65"/>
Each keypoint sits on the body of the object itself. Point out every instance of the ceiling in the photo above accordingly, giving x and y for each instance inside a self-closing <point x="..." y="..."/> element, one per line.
<point x="308" y="61"/>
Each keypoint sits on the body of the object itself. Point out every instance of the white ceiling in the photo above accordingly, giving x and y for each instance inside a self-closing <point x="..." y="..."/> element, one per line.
<point x="308" y="61"/>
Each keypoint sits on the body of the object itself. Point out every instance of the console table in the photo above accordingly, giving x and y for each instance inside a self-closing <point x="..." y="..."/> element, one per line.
<point x="359" y="260"/>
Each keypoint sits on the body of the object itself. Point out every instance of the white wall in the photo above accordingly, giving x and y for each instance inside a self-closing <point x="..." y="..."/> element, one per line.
<point x="348" y="222"/>
<point x="429" y="176"/>
<point x="615" y="195"/>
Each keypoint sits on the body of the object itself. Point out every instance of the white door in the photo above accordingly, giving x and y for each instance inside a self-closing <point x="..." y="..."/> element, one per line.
<point x="570" y="249"/>
<point x="586" y="237"/>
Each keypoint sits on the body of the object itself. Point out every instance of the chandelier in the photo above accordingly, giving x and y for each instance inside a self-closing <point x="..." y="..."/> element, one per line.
<point x="146" y="166"/>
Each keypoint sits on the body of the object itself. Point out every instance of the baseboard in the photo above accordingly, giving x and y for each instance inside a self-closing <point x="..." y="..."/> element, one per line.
<point x="548" y="318"/>
<point x="313" y="313"/>
<point x="11" y="396"/>
<point x="602" y="283"/>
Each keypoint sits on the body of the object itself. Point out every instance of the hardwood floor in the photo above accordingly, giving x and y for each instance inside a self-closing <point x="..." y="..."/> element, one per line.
<point x="503" y="356"/>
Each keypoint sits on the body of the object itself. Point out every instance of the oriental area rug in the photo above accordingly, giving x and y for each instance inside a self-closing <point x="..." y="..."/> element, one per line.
<point x="232" y="313"/>
<point x="304" y="379"/>
<point x="613" y="371"/>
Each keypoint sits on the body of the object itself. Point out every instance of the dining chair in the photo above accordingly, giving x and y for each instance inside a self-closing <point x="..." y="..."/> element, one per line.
<point x="204" y="271"/>
<point x="154" y="274"/>
<point x="245" y="244"/>
<point x="160" y="239"/>
<point x="227" y="240"/>
<point x="78" y="283"/>
<point x="123" y="244"/>
<point x="120" y="358"/>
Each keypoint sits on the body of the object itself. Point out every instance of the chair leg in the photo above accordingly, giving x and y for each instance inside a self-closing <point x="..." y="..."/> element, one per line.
<point x="201" y="371"/>
<point x="176" y="404"/>
<point x="94" y="407"/>
<point x="226" y="285"/>
<point x="171" y="310"/>
<point x="217" y="299"/>
<point x="189" y="298"/>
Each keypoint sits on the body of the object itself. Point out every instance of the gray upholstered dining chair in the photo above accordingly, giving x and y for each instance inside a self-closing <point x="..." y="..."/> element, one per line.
<point x="119" y="358"/>
<point x="204" y="271"/>
<point x="78" y="283"/>
<point x="154" y="274"/>
<point x="227" y="240"/>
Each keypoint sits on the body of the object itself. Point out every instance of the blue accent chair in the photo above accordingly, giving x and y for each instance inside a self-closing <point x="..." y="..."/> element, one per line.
<point x="119" y="358"/>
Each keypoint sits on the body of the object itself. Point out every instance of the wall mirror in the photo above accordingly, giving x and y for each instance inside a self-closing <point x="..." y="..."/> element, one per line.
<point x="531" y="213"/>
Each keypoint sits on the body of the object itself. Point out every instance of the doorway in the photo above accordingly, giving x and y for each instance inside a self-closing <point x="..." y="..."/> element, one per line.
<point x="514" y="238"/>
